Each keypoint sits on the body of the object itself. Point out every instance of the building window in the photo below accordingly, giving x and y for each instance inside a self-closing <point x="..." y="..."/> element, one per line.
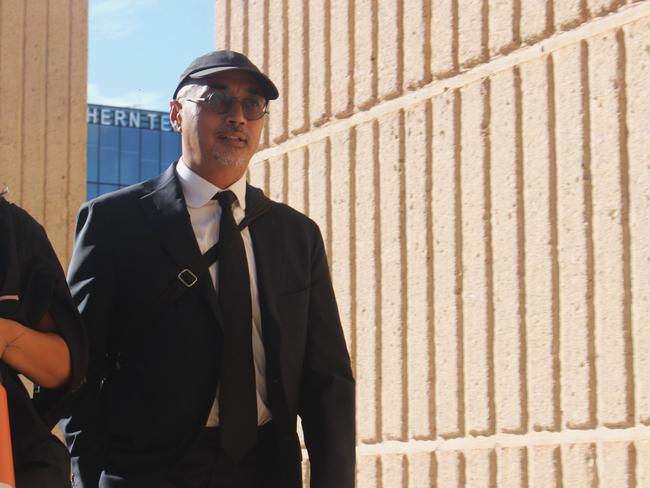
<point x="126" y="146"/>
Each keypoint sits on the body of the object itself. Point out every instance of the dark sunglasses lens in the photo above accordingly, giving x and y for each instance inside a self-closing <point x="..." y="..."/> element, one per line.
<point x="253" y="113"/>
<point x="219" y="102"/>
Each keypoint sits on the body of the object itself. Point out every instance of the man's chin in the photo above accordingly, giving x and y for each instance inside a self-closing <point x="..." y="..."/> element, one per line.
<point x="230" y="162"/>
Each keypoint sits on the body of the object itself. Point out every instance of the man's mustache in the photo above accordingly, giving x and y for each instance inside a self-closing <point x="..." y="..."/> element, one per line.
<point x="223" y="131"/>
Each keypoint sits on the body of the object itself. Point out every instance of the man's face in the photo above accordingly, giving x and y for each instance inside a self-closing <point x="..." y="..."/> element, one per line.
<point x="215" y="145"/>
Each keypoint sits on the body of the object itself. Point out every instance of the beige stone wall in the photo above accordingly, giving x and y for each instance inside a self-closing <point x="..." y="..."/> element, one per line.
<point x="43" y="50"/>
<point x="481" y="173"/>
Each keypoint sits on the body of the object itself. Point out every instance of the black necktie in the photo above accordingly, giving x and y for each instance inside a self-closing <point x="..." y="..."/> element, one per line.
<point x="237" y="397"/>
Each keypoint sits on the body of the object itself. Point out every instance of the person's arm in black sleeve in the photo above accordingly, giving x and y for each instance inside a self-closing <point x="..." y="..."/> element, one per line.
<point x="327" y="399"/>
<point x="92" y="284"/>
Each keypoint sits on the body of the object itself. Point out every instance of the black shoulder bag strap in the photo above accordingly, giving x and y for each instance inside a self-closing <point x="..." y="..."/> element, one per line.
<point x="189" y="276"/>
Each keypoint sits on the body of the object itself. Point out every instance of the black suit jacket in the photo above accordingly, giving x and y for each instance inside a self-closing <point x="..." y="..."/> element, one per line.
<point x="162" y="371"/>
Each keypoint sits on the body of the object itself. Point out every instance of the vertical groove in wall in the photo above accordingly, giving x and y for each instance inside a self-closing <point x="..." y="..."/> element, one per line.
<point x="405" y="471"/>
<point x="523" y="467"/>
<point x="351" y="57"/>
<point x="285" y="178"/>
<point x="58" y="113"/>
<point x="632" y="465"/>
<point x="245" y="28"/>
<point x="267" y="176"/>
<point x="516" y="24"/>
<point x="378" y="294"/>
<point x="462" y="470"/>
<point x="12" y="40"/>
<point x="338" y="38"/>
<point x="555" y="260"/>
<point x="404" y="303"/>
<point x="521" y="258"/>
<point x="328" y="198"/>
<point x="493" y="468"/>
<point x="550" y="17"/>
<point x="46" y="115"/>
<point x="430" y="263"/>
<point x="306" y="61"/>
<point x="22" y="104"/>
<point x="265" y="63"/>
<point x="597" y="462"/>
<point x="485" y="31"/>
<point x="266" y="27"/>
<point x="400" y="48"/>
<point x="352" y="347"/>
<point x="21" y="120"/>
<point x="625" y="220"/>
<point x="365" y="51"/>
<point x="489" y="257"/>
<point x="589" y="229"/>
<point x="68" y="166"/>
<point x="433" y="470"/>
<point x="584" y="11"/>
<point x="327" y="62"/>
<point x="459" y="262"/>
<point x="78" y="128"/>
<point x="380" y="472"/>
<point x="559" y="471"/>
<point x="319" y="63"/>
<point x="228" y="22"/>
<point x="285" y="68"/>
<point x="278" y="64"/>
<point x="455" y="39"/>
<point x="427" y="42"/>
<point x="375" y="54"/>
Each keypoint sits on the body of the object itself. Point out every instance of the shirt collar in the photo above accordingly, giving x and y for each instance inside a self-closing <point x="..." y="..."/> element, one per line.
<point x="199" y="191"/>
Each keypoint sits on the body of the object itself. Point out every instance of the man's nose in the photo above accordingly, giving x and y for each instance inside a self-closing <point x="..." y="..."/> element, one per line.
<point x="236" y="113"/>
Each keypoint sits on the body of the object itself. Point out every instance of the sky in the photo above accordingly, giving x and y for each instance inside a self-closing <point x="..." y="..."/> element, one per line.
<point x="137" y="49"/>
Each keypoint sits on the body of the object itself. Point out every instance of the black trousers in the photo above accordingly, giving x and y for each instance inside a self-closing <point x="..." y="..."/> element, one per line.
<point x="206" y="465"/>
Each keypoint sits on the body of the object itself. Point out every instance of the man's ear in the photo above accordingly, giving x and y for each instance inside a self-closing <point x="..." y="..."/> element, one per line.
<point x="175" y="117"/>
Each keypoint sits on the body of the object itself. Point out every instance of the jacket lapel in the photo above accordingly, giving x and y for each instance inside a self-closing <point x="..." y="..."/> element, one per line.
<point x="166" y="210"/>
<point x="269" y="260"/>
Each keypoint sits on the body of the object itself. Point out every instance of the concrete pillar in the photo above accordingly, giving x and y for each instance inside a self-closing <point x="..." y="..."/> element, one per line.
<point x="481" y="174"/>
<point x="43" y="51"/>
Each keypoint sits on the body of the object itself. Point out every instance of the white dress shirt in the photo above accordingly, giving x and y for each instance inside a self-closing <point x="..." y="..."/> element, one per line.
<point x="205" y="215"/>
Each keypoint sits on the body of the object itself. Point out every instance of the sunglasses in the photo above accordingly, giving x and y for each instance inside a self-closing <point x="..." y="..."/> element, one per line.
<point x="254" y="108"/>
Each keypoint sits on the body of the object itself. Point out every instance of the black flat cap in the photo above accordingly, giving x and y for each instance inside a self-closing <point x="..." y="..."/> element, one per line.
<point x="218" y="61"/>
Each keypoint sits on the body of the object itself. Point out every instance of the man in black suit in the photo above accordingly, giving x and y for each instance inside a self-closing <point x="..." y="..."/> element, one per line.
<point x="199" y="368"/>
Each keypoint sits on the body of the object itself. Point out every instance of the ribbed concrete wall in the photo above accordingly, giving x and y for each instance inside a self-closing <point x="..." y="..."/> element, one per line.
<point x="43" y="50"/>
<point x="481" y="172"/>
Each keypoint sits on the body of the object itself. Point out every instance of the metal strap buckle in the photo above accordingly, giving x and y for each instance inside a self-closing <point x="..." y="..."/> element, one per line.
<point x="187" y="278"/>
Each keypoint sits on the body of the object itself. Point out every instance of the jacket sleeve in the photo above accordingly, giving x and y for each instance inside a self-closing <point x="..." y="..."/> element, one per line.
<point x="327" y="398"/>
<point x="91" y="277"/>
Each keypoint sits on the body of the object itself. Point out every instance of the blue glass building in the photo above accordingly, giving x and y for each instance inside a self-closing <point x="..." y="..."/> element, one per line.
<point x="126" y="146"/>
